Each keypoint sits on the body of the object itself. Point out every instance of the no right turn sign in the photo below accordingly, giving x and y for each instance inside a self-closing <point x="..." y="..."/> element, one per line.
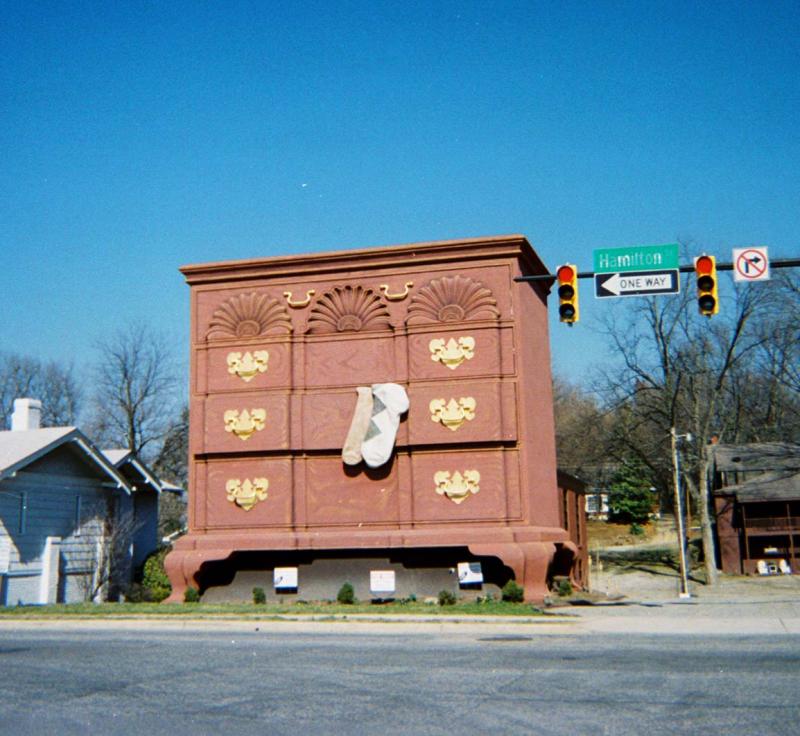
<point x="750" y="264"/>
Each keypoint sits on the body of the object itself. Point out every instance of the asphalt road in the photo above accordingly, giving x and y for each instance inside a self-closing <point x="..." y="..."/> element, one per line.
<point x="335" y="680"/>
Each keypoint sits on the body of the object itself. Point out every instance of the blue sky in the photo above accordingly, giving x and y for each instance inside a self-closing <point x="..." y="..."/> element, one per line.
<point x="137" y="137"/>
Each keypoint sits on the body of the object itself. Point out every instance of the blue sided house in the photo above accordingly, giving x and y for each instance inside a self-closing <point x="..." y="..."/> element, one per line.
<point x="75" y="521"/>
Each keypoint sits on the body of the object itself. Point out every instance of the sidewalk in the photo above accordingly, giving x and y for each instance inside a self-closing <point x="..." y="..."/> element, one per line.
<point x="663" y="586"/>
<point x="649" y="603"/>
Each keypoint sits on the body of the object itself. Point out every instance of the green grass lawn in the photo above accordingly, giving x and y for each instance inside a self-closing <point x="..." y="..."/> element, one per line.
<point x="250" y="610"/>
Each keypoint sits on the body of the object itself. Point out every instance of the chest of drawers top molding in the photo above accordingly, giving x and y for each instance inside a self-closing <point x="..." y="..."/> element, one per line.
<point x="346" y="309"/>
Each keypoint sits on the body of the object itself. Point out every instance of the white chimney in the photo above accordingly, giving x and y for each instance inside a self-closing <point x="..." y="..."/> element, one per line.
<point x="27" y="414"/>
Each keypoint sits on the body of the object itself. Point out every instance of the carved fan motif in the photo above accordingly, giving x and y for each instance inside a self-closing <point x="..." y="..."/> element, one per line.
<point x="349" y="309"/>
<point x="248" y="315"/>
<point x="452" y="299"/>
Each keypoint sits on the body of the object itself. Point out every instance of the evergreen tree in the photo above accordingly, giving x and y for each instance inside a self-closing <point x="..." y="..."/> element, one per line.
<point x="630" y="498"/>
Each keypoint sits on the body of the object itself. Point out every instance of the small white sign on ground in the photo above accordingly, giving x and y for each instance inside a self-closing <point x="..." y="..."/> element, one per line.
<point x="750" y="264"/>
<point x="381" y="581"/>
<point x="284" y="577"/>
<point x="469" y="573"/>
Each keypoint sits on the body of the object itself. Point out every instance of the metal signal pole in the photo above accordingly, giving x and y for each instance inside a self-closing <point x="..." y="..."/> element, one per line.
<point x="676" y="474"/>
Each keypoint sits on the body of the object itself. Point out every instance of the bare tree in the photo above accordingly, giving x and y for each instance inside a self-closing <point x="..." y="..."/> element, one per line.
<point x="107" y="551"/>
<point x="172" y="465"/>
<point x="172" y="461"/>
<point x="55" y="385"/>
<point x="582" y="430"/>
<point x="772" y="411"/>
<point x="136" y="390"/>
<point x="676" y="370"/>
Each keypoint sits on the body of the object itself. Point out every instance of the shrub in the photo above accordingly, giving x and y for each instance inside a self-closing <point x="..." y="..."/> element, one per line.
<point x="513" y="593"/>
<point x="154" y="578"/>
<point x="346" y="594"/>
<point x="192" y="595"/>
<point x="636" y="529"/>
<point x="564" y="587"/>
<point x="259" y="596"/>
<point x="447" y="598"/>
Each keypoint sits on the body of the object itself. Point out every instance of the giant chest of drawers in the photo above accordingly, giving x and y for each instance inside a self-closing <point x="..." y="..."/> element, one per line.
<point x="278" y="347"/>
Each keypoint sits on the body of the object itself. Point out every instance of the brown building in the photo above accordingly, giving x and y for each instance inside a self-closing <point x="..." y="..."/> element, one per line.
<point x="452" y="356"/>
<point x="757" y="500"/>
<point x="573" y="518"/>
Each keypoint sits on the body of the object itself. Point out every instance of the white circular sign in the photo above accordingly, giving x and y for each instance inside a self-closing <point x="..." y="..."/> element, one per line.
<point x="750" y="264"/>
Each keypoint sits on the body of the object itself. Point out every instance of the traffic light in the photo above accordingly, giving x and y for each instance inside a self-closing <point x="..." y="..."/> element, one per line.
<point x="705" y="268"/>
<point x="567" y="276"/>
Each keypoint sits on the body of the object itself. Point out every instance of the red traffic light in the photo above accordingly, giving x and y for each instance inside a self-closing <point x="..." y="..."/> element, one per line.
<point x="565" y="273"/>
<point x="567" y="276"/>
<point x="705" y="268"/>
<point x="704" y="265"/>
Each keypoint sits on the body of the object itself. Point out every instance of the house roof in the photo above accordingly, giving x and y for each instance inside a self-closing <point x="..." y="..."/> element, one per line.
<point x="570" y="481"/>
<point x="778" y="485"/>
<point x="756" y="457"/>
<point x="25" y="447"/>
<point x="20" y="448"/>
<point x="171" y="487"/>
<point x="123" y="457"/>
<point x="116" y="456"/>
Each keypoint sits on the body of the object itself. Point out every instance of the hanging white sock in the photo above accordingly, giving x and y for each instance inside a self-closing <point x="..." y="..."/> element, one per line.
<point x="389" y="401"/>
<point x="351" y="450"/>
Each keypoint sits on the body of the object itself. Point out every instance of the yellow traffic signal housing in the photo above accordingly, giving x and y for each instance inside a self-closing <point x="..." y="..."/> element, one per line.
<point x="567" y="276"/>
<point x="705" y="268"/>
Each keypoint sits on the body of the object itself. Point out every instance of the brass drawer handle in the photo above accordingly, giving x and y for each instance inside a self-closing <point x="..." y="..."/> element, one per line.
<point x="399" y="296"/>
<point x="300" y="303"/>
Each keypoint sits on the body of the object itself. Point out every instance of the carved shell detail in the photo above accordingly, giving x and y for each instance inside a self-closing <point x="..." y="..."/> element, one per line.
<point x="248" y="315"/>
<point x="452" y="299"/>
<point x="349" y="309"/>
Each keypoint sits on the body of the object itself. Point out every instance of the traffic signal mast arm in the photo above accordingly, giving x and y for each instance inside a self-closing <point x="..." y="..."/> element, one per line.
<point x="784" y="263"/>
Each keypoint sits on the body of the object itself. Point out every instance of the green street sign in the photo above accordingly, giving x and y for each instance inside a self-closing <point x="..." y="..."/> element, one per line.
<point x="638" y="258"/>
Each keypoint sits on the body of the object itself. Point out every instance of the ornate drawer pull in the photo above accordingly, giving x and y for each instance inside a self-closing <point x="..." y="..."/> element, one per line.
<point x="457" y="487"/>
<point x="299" y="304"/>
<point x="399" y="296"/>
<point x="452" y="354"/>
<point x="248" y="493"/>
<point x="453" y="413"/>
<point x="246" y="424"/>
<point x="248" y="365"/>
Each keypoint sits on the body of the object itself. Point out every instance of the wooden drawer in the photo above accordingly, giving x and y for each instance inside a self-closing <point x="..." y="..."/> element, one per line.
<point x="460" y="353"/>
<point x="326" y="418"/>
<point x="465" y="486"/>
<point x="465" y="411"/>
<point x="336" y="494"/>
<point x="248" y="492"/>
<point x="353" y="360"/>
<point x="244" y="367"/>
<point x="252" y="422"/>
<point x="326" y="415"/>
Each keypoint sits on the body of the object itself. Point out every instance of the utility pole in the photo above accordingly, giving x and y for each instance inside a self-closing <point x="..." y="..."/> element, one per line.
<point x="676" y="475"/>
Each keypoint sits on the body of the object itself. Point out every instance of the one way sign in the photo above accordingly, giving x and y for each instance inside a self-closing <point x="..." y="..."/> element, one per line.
<point x="636" y="283"/>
